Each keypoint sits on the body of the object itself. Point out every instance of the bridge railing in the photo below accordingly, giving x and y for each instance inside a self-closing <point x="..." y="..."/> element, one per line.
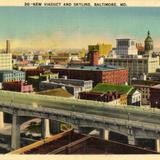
<point x="52" y="99"/>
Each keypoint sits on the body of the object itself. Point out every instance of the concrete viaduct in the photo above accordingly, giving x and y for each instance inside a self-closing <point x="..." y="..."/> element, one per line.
<point x="133" y="122"/>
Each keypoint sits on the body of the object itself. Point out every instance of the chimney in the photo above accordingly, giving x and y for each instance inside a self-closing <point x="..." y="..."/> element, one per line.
<point x="94" y="57"/>
<point x="7" y="46"/>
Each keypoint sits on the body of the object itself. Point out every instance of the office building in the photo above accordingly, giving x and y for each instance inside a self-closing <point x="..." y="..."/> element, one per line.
<point x="5" y="61"/>
<point x="136" y="66"/>
<point x="6" y="58"/>
<point x="126" y="47"/>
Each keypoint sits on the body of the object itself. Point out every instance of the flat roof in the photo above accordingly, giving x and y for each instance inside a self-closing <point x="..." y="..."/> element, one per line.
<point x="127" y="58"/>
<point x="156" y="86"/>
<point x="60" y="92"/>
<point x="96" y="68"/>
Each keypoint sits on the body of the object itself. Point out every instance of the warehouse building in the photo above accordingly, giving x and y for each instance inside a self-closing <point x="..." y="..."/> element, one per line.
<point x="73" y="86"/>
<point x="98" y="74"/>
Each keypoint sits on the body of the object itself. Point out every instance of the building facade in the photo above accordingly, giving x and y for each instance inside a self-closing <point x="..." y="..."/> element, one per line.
<point x="5" y="61"/>
<point x="12" y="75"/>
<point x="145" y="93"/>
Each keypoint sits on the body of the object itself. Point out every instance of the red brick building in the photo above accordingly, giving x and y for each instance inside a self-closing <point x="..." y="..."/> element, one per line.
<point x="17" y="86"/>
<point x="155" y="96"/>
<point x="99" y="74"/>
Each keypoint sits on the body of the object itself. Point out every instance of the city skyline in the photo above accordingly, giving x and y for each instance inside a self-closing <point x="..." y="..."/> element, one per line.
<point x="76" y="27"/>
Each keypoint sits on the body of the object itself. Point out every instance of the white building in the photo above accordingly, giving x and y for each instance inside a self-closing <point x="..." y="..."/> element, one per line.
<point x="5" y="61"/>
<point x="136" y="66"/>
<point x="134" y="98"/>
<point x="126" y="47"/>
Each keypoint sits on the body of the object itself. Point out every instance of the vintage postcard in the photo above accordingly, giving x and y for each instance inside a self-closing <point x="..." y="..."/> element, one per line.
<point x="80" y="79"/>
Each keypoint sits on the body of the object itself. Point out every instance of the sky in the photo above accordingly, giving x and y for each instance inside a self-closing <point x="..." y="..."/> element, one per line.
<point x="69" y="27"/>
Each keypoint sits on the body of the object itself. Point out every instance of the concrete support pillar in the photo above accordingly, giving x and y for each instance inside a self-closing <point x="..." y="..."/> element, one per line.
<point x="55" y="127"/>
<point x="158" y="145"/>
<point x="15" y="134"/>
<point x="1" y="120"/>
<point x="131" y="140"/>
<point x="45" y="128"/>
<point x="104" y="134"/>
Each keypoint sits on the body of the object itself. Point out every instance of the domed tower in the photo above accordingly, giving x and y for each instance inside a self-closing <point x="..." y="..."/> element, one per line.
<point x="148" y="44"/>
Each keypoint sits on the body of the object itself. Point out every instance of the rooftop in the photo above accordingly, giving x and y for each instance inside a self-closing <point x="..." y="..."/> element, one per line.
<point x="70" y="142"/>
<point x="145" y="82"/>
<point x="156" y="86"/>
<point x="132" y="91"/>
<point x="10" y="71"/>
<point x="104" y="87"/>
<point x="56" y="92"/>
<point x="33" y="77"/>
<point x="96" y="68"/>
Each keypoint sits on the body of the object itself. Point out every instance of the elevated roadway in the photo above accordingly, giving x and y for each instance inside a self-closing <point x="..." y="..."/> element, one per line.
<point x="137" y="122"/>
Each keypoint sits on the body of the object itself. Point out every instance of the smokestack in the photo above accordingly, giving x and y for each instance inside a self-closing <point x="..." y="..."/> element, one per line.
<point x="8" y="46"/>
